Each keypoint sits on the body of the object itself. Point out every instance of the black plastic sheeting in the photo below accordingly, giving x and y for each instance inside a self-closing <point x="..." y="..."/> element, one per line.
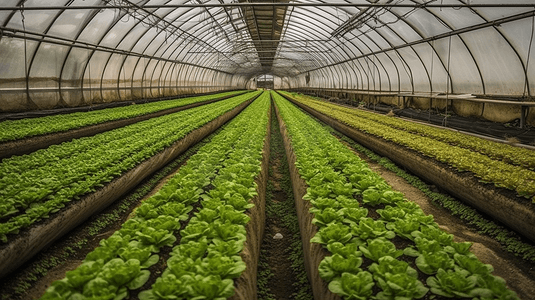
<point x="473" y="125"/>
<point x="68" y="110"/>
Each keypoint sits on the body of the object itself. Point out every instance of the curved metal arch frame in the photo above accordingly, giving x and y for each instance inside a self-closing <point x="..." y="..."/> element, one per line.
<point x="158" y="68"/>
<point x="346" y="53"/>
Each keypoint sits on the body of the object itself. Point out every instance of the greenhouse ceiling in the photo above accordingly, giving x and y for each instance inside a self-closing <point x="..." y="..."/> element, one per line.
<point x="69" y="50"/>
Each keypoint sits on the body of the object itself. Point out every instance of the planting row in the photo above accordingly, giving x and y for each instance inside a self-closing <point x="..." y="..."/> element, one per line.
<point x="488" y="169"/>
<point x="382" y="246"/>
<point x="206" y="257"/>
<point x="41" y="183"/>
<point x="18" y="129"/>
<point x="510" y="154"/>
<point x="483" y="224"/>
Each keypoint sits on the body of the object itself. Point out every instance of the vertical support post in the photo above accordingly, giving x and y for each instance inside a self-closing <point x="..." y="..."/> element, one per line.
<point x="523" y="114"/>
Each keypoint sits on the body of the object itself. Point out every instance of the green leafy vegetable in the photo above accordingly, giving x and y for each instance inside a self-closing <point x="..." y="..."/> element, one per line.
<point x="332" y="233"/>
<point x="455" y="284"/>
<point x="378" y="248"/>
<point x="334" y="266"/>
<point x="353" y="287"/>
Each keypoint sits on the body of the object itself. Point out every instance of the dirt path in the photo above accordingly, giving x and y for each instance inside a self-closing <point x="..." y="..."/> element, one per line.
<point x="281" y="273"/>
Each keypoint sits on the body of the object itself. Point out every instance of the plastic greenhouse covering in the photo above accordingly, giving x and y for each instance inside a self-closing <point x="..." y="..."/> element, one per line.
<point x="59" y="53"/>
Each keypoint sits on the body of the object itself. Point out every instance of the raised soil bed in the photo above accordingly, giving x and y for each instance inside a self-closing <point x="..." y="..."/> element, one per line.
<point x="32" y="240"/>
<point x="498" y="203"/>
<point x="245" y="285"/>
<point x="31" y="144"/>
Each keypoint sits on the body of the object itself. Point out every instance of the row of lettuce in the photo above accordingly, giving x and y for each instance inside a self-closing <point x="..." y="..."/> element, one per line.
<point x="340" y="187"/>
<point x="18" y="129"/>
<point x="511" y="154"/>
<point x="34" y="186"/>
<point x="204" y="204"/>
<point x="501" y="164"/>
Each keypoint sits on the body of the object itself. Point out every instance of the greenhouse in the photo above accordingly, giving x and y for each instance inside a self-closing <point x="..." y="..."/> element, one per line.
<point x="270" y="150"/>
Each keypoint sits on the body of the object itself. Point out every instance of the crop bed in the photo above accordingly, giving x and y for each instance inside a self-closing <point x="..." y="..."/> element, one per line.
<point x="27" y="135"/>
<point x="24" y="128"/>
<point x="48" y="172"/>
<point x="380" y="243"/>
<point x="488" y="198"/>
<point x="503" y="165"/>
<point x="208" y="236"/>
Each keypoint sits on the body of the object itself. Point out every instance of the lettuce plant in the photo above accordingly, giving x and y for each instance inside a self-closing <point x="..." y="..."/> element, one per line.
<point x="381" y="193"/>
<point x="228" y="231"/>
<point x="120" y="273"/>
<point x="431" y="262"/>
<point x="410" y="207"/>
<point x="228" y="214"/>
<point x="400" y="286"/>
<point x="322" y="203"/>
<point x="192" y="249"/>
<point x="390" y="265"/>
<point x="347" y="202"/>
<point x="228" y="248"/>
<point x="472" y="265"/>
<point x="182" y="265"/>
<point x="333" y="232"/>
<point x="99" y="288"/>
<point x="334" y="266"/>
<point x="352" y="215"/>
<point x="433" y="233"/>
<point x="368" y="228"/>
<point x="78" y="277"/>
<point x="155" y="238"/>
<point x="496" y="286"/>
<point x="239" y="202"/>
<point x="404" y="227"/>
<point x="222" y="266"/>
<point x="345" y="250"/>
<point x="462" y="248"/>
<point x="453" y="284"/>
<point x="423" y="246"/>
<point x="142" y="254"/>
<point x="391" y="213"/>
<point x="378" y="248"/>
<point x="167" y="287"/>
<point x="353" y="286"/>
<point x="327" y="216"/>
<point x="210" y="288"/>
<point x="207" y="215"/>
<point x="195" y="230"/>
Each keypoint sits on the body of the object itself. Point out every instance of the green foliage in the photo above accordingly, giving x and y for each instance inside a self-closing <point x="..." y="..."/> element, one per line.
<point x="400" y="286"/>
<point x="42" y="182"/>
<point x="353" y="287"/>
<point x="314" y="147"/>
<point x="510" y="241"/>
<point x="332" y="233"/>
<point x="23" y="128"/>
<point x="378" y="248"/>
<point x="456" y="284"/>
<point x="334" y="266"/>
<point x="368" y="228"/>
<point x="207" y="273"/>
<point x="504" y="165"/>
